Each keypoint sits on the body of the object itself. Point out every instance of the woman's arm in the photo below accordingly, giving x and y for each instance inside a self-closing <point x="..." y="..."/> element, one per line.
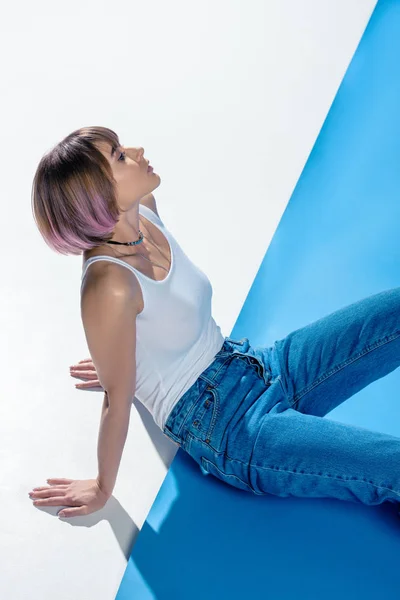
<point x="109" y="311"/>
<point x="114" y="425"/>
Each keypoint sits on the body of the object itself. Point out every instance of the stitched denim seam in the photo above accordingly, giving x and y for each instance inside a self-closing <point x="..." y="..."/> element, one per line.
<point x="338" y="477"/>
<point x="248" y="466"/>
<point x="216" y="452"/>
<point x="254" y="466"/>
<point x="209" y="382"/>
<point x="207" y="444"/>
<point x="188" y="442"/>
<point x="208" y="431"/>
<point x="280" y="376"/>
<point x="322" y="378"/>
<point x="251" y="489"/>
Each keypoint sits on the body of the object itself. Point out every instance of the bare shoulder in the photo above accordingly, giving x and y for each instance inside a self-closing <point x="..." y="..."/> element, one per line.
<point x="150" y="202"/>
<point x="112" y="279"/>
<point x="108" y="310"/>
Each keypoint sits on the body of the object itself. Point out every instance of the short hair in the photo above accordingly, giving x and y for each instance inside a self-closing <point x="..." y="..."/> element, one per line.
<point x="74" y="193"/>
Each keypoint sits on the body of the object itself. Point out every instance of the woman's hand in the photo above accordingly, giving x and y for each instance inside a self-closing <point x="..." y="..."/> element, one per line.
<point x="86" y="370"/>
<point x="85" y="496"/>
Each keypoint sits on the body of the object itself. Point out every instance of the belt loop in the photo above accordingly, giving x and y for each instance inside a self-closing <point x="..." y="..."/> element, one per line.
<point x="210" y="383"/>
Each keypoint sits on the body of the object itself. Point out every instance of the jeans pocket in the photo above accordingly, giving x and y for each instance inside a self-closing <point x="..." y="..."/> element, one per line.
<point x="209" y="468"/>
<point x="205" y="416"/>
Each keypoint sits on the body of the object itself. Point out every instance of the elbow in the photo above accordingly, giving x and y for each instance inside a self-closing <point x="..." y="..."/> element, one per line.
<point x="119" y="402"/>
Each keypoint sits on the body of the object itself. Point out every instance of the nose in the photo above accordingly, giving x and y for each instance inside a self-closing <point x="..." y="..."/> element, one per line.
<point x="136" y="153"/>
<point x="140" y="153"/>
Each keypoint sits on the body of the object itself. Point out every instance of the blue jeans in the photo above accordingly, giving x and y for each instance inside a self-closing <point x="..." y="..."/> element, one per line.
<point x="254" y="417"/>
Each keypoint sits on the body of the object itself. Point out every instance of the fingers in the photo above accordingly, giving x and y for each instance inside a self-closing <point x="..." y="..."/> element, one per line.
<point x="91" y="376"/>
<point x="47" y="487"/>
<point x="85" y="367"/>
<point x="86" y="385"/>
<point x="52" y="495"/>
<point x="48" y="493"/>
<point x="77" y="511"/>
<point x="59" y="481"/>
<point x="83" y="374"/>
<point x="57" y="501"/>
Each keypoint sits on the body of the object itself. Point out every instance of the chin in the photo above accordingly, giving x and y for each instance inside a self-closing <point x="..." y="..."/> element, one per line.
<point x="156" y="181"/>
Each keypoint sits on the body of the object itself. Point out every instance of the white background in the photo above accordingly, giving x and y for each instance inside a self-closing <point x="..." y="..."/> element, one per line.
<point x="227" y="98"/>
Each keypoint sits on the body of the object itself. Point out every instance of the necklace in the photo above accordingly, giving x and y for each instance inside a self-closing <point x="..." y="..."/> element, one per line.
<point x="138" y="241"/>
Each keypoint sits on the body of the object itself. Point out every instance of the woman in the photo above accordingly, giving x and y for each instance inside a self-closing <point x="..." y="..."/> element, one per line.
<point x="250" y="416"/>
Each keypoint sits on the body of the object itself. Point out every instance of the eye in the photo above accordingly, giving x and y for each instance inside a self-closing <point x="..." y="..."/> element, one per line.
<point x="123" y="155"/>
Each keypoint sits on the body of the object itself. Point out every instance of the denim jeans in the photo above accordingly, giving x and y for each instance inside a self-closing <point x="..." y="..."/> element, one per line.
<point x="255" y="417"/>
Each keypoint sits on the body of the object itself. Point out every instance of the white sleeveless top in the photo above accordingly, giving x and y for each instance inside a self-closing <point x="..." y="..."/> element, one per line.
<point x="177" y="338"/>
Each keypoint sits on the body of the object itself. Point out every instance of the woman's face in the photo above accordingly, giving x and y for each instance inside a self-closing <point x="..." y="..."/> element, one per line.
<point x="130" y="172"/>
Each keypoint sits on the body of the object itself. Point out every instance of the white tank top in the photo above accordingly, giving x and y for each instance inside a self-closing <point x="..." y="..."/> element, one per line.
<point x="177" y="338"/>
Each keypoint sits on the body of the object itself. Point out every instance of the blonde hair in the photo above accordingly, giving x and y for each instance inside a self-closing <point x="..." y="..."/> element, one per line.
<point x="73" y="193"/>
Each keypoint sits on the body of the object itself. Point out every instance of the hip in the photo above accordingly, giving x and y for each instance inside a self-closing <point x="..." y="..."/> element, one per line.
<point x="219" y="416"/>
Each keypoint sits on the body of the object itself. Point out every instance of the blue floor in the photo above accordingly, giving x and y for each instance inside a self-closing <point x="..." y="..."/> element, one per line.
<point x="337" y="242"/>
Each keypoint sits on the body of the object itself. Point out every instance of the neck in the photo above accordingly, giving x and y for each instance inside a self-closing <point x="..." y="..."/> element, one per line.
<point x="127" y="228"/>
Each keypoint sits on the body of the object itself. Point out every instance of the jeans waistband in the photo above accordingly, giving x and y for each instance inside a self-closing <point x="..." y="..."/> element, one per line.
<point x="207" y="379"/>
